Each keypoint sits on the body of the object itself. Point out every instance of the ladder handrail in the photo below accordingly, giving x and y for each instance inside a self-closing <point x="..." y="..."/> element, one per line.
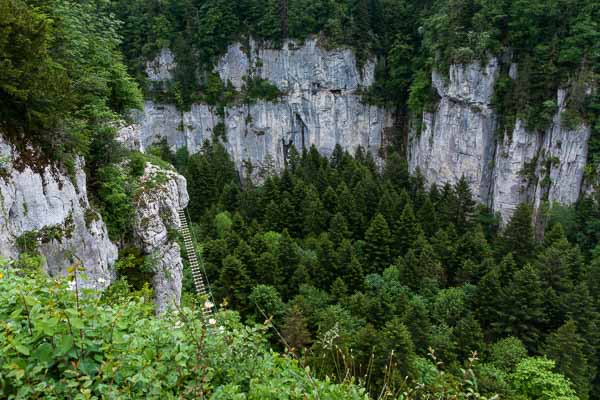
<point x="198" y="278"/>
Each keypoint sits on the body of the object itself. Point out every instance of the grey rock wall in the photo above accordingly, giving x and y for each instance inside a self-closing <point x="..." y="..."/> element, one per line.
<point x="161" y="195"/>
<point x="37" y="203"/>
<point x="321" y="106"/>
<point x="461" y="138"/>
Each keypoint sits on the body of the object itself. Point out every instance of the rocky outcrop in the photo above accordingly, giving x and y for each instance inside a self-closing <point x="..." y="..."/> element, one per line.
<point x="460" y="139"/>
<point x="321" y="105"/>
<point x="162" y="193"/>
<point x="48" y="212"/>
<point x="161" y="68"/>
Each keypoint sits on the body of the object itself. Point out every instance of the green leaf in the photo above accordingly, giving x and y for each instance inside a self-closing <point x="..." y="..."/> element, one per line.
<point x="77" y="323"/>
<point x="65" y="344"/>
<point x="44" y="353"/>
<point x="21" y="348"/>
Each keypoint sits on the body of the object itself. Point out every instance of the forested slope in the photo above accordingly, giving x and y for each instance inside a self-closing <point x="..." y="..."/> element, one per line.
<point x="365" y="274"/>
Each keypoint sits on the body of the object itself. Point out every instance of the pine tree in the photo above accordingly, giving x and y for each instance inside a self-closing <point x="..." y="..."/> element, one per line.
<point x="555" y="267"/>
<point x="428" y="218"/>
<point x="396" y="171"/>
<point x="567" y="348"/>
<point x="489" y="293"/>
<point x="273" y="217"/>
<point x="518" y="237"/>
<point x="522" y="308"/>
<point x="469" y="337"/>
<point x="587" y="317"/>
<point x="355" y="276"/>
<point x="389" y="205"/>
<point x="418" y="323"/>
<point x="396" y="348"/>
<point x="300" y="277"/>
<point x="407" y="231"/>
<point x="447" y="205"/>
<point x="234" y="283"/>
<point x="347" y="207"/>
<point x="338" y="229"/>
<point x="314" y="215"/>
<point x="287" y="257"/>
<point x="244" y="253"/>
<point x="377" y="248"/>
<point x="339" y="289"/>
<point x="473" y="247"/>
<point x="421" y="269"/>
<point x="465" y="206"/>
<point x="328" y="265"/>
<point x="269" y="272"/>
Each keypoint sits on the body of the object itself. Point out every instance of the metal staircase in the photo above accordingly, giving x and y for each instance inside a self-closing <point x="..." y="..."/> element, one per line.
<point x="207" y="308"/>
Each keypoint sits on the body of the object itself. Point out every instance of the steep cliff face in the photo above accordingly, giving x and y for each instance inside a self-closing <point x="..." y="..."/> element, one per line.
<point x="321" y="105"/>
<point x="461" y="138"/>
<point x="49" y="212"/>
<point x="458" y="138"/>
<point x="162" y="194"/>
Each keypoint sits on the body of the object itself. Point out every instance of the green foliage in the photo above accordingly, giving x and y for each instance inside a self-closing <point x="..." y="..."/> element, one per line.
<point x="261" y="89"/>
<point x="457" y="289"/>
<point x="534" y="379"/>
<point x="63" y="77"/>
<point x="66" y="344"/>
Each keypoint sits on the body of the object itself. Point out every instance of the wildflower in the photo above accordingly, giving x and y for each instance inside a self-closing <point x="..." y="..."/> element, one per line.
<point x="212" y="321"/>
<point x="208" y="304"/>
<point x="101" y="280"/>
<point x="1" y="275"/>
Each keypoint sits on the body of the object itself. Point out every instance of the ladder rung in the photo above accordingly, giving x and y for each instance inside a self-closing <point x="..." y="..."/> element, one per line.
<point x="193" y="260"/>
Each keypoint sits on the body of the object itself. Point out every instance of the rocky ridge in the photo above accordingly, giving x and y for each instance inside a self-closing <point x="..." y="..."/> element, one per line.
<point x="49" y="212"/>
<point x="162" y="193"/>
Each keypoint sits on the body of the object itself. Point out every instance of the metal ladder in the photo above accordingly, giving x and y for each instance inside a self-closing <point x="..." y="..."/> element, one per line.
<point x="207" y="308"/>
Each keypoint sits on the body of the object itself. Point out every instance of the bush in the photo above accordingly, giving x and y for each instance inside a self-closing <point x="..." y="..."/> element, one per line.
<point x="258" y="88"/>
<point x="61" y="343"/>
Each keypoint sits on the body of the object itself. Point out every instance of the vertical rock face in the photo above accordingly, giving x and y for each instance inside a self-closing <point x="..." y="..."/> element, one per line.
<point x="321" y="105"/>
<point x="458" y="138"/>
<point x="161" y="68"/>
<point x="461" y="138"/>
<point x="161" y="195"/>
<point x="48" y="212"/>
<point x="514" y="169"/>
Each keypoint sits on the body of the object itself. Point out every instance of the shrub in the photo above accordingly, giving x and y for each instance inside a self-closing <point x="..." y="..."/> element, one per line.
<point x="61" y="343"/>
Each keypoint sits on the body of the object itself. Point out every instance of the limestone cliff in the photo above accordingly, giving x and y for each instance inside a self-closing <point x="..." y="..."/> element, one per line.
<point x="503" y="168"/>
<point x="48" y="212"/>
<point x="161" y="194"/>
<point x="321" y="105"/>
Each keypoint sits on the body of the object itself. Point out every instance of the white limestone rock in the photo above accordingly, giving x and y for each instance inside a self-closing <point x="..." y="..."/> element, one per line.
<point x="162" y="67"/>
<point x="460" y="138"/>
<point x="162" y="193"/>
<point x="39" y="201"/>
<point x="321" y="106"/>
<point x="515" y="157"/>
